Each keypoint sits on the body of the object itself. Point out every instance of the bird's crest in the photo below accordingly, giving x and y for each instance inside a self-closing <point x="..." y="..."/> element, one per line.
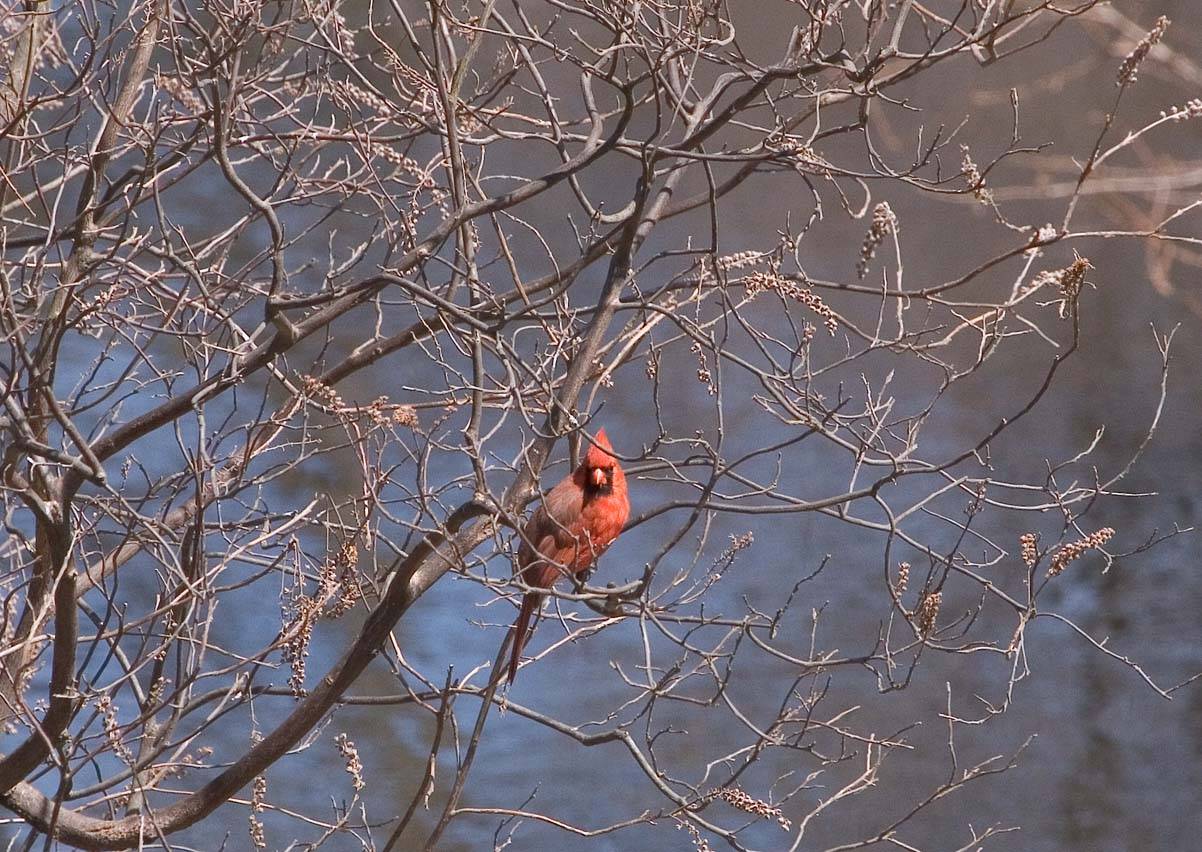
<point x="600" y="453"/>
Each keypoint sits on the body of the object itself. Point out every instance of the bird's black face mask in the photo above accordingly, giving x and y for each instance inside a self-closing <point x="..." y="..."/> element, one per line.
<point x="600" y="480"/>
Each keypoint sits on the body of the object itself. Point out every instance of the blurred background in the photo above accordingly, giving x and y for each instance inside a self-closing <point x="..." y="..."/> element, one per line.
<point x="1111" y="764"/>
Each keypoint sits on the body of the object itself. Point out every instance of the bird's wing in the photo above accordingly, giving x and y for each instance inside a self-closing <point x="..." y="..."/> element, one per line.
<point x="532" y="535"/>
<point x="564" y="503"/>
<point x="552" y="523"/>
<point x="546" y="545"/>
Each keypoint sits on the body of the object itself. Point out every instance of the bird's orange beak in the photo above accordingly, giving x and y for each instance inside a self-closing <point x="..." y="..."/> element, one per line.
<point x="598" y="477"/>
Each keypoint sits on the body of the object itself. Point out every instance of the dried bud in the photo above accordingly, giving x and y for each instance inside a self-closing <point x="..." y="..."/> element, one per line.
<point x="651" y="368"/>
<point x="976" y="181"/>
<point x="299" y="614"/>
<point x="354" y="766"/>
<point x="759" y="282"/>
<point x="748" y="804"/>
<point x="884" y="223"/>
<point x="703" y="372"/>
<point x="928" y="611"/>
<point x="1192" y="109"/>
<point x="700" y="844"/>
<point x="1028" y="542"/>
<point x="258" y="797"/>
<point x="316" y="390"/>
<point x="1130" y="67"/>
<point x="1068" y="280"/>
<point x="740" y="260"/>
<point x="1075" y="550"/>
<point x="112" y="728"/>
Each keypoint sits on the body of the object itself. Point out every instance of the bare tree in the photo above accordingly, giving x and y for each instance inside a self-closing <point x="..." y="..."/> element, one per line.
<point x="223" y="220"/>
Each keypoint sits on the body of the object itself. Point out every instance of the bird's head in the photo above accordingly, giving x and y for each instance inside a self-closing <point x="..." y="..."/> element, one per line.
<point x="601" y="469"/>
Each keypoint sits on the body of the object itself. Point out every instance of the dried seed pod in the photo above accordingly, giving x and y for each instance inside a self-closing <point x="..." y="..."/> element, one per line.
<point x="1076" y="549"/>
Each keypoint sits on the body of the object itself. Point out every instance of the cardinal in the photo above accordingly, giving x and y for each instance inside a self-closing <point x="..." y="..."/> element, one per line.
<point x="577" y="522"/>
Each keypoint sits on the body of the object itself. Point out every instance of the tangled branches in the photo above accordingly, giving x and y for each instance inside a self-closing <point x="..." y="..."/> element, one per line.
<point x="299" y="298"/>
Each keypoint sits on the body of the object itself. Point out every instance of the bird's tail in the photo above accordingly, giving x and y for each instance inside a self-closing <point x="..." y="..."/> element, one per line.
<point x="521" y="630"/>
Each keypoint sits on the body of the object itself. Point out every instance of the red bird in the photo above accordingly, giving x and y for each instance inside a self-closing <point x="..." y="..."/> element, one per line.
<point x="578" y="520"/>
